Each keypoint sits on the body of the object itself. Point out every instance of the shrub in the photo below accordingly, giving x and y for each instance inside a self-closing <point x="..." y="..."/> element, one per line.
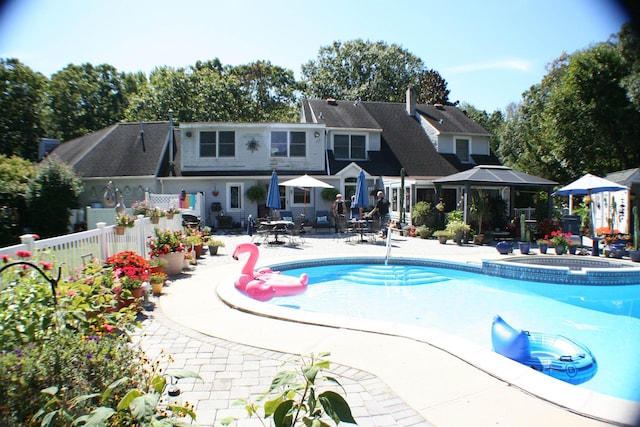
<point x="420" y="212"/>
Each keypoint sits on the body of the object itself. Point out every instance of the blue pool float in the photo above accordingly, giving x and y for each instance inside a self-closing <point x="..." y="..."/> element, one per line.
<point x="553" y="355"/>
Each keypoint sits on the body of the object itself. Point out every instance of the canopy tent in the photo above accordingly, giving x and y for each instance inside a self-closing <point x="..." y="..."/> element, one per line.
<point x="305" y="181"/>
<point x="492" y="175"/>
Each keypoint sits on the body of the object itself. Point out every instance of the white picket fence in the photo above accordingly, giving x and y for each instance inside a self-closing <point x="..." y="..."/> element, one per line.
<point x="71" y="251"/>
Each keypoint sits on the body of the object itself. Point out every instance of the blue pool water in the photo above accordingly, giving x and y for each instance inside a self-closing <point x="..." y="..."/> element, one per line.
<point x="606" y="319"/>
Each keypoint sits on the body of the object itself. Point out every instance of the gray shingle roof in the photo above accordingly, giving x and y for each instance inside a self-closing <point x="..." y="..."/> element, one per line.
<point x="122" y="150"/>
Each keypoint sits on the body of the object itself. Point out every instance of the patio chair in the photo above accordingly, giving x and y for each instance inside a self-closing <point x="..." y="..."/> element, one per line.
<point x="296" y="233"/>
<point x="322" y="221"/>
<point x="286" y="216"/>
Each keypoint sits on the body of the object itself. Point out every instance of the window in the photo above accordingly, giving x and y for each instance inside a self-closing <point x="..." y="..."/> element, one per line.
<point x="288" y="144"/>
<point x="235" y="193"/>
<point x="301" y="195"/>
<point x="462" y="150"/>
<point x="350" y="147"/>
<point x="217" y="144"/>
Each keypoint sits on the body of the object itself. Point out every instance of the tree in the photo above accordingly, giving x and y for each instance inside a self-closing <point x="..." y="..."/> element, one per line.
<point x="52" y="193"/>
<point x="209" y="91"/>
<point x="371" y="71"/>
<point x="580" y="118"/>
<point x="84" y="98"/>
<point x="22" y="93"/>
<point x="15" y="175"/>
<point x="492" y="123"/>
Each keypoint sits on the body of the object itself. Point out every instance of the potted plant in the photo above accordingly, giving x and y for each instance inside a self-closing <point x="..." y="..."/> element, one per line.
<point x="543" y="244"/>
<point x="480" y="208"/>
<point x="157" y="282"/>
<point x="123" y="220"/>
<point x="130" y="270"/>
<point x="141" y="207"/>
<point x="170" y="246"/>
<point x="525" y="238"/>
<point x="560" y="241"/>
<point x="458" y="229"/>
<point x="194" y="240"/>
<point x="573" y="246"/>
<point x="256" y="193"/>
<point x="213" y="245"/>
<point x="156" y="265"/>
<point x="155" y="214"/>
<point x="172" y="211"/>
<point x="442" y="235"/>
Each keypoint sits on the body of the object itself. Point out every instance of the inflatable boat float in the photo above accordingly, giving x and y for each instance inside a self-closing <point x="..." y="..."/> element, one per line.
<point x="553" y="355"/>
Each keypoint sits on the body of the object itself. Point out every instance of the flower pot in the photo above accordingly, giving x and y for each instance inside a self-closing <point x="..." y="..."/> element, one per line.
<point x="543" y="248"/>
<point x="635" y="256"/>
<point x="213" y="250"/>
<point x="170" y="216"/>
<point x="156" y="287"/>
<point x="198" y="250"/>
<point x="524" y="247"/>
<point x="560" y="250"/>
<point x="504" y="247"/>
<point x="174" y="262"/>
<point x="572" y="250"/>
<point x="478" y="239"/>
<point x="443" y="239"/>
<point x="119" y="229"/>
<point x="155" y="220"/>
<point x="458" y="238"/>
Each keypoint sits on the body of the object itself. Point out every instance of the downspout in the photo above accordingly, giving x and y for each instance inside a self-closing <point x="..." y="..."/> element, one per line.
<point x="326" y="152"/>
<point x="171" y="155"/>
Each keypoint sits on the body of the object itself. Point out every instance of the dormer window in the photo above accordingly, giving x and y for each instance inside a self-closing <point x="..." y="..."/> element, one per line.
<point x="463" y="150"/>
<point x="350" y="147"/>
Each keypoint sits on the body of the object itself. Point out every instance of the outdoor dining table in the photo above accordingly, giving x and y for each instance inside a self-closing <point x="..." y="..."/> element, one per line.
<point x="277" y="228"/>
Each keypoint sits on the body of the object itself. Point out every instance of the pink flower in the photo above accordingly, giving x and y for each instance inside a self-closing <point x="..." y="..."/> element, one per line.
<point x="46" y="265"/>
<point x="71" y="293"/>
<point x="108" y="328"/>
<point x="4" y="258"/>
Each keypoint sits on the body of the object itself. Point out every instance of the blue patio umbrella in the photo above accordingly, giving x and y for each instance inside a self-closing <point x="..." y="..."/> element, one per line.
<point x="362" y="198"/>
<point x="273" y="196"/>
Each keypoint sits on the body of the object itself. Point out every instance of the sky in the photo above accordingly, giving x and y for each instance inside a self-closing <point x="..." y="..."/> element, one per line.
<point x="489" y="52"/>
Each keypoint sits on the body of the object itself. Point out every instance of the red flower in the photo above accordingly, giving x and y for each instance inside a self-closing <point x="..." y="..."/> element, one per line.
<point x="4" y="258"/>
<point x="23" y="254"/>
<point x="46" y="265"/>
<point x="108" y="328"/>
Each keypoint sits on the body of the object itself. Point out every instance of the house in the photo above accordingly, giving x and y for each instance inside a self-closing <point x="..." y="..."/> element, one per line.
<point x="334" y="140"/>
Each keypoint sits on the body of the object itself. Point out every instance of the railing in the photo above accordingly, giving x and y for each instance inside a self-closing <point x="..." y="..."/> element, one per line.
<point x="71" y="251"/>
<point x="529" y="213"/>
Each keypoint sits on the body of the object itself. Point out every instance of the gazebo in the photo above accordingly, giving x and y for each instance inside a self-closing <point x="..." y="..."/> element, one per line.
<point x="483" y="176"/>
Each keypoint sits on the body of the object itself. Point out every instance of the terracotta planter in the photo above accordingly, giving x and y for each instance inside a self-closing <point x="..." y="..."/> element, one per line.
<point x="198" y="250"/>
<point x="478" y="239"/>
<point x="170" y="216"/>
<point x="119" y="230"/>
<point x="174" y="263"/>
<point x="155" y="220"/>
<point x="156" y="269"/>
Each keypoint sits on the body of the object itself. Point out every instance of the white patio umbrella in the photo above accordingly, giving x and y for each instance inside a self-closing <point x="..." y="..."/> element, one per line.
<point x="305" y="181"/>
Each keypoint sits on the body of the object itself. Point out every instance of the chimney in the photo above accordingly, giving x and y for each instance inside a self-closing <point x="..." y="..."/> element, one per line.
<point x="411" y="102"/>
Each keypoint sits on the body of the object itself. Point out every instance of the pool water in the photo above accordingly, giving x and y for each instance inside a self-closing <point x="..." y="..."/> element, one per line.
<point x="606" y="319"/>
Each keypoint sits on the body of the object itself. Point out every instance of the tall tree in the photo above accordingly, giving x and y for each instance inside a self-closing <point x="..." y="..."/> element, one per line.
<point x="15" y="175"/>
<point x="84" y="98"/>
<point x="209" y="91"/>
<point x="492" y="123"/>
<point x="52" y="193"/>
<point x="579" y="119"/>
<point x="371" y="71"/>
<point x="22" y="94"/>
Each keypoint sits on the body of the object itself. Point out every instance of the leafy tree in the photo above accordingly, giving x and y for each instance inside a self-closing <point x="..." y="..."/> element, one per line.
<point x="84" y="98"/>
<point x="579" y="119"/>
<point x="51" y="194"/>
<point x="22" y="93"/>
<point x="629" y="45"/>
<point x="15" y="175"/>
<point x="209" y="91"/>
<point x="371" y="71"/>
<point x="492" y="123"/>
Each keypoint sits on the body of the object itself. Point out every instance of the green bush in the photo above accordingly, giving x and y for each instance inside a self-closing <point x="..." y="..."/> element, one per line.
<point x="424" y="232"/>
<point x="420" y="212"/>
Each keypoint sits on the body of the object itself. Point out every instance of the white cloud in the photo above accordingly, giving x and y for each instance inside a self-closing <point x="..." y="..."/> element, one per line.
<point x="507" y="64"/>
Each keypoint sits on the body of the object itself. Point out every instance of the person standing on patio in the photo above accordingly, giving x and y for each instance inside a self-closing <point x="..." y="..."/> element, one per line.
<point x="339" y="211"/>
<point x="381" y="213"/>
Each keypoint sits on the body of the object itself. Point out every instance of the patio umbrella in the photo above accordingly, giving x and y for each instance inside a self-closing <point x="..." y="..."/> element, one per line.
<point x="273" y="196"/>
<point x="362" y="198"/>
<point x="305" y="181"/>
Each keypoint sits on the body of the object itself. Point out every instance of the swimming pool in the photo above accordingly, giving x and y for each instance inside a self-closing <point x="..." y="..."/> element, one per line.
<point x="461" y="302"/>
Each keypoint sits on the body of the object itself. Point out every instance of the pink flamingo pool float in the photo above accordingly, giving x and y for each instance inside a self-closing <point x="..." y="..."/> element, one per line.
<point x="265" y="284"/>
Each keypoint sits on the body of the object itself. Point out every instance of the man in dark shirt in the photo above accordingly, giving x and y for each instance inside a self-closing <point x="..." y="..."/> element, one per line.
<point x="339" y="211"/>
<point x="381" y="213"/>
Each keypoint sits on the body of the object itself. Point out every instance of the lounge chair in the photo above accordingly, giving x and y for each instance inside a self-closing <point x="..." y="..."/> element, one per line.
<point x="322" y="221"/>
